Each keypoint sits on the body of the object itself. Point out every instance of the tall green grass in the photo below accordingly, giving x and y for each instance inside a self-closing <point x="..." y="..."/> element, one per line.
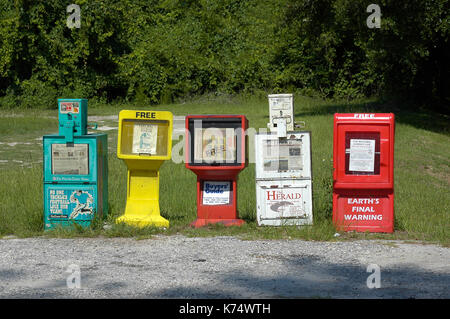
<point x="21" y="210"/>
<point x="422" y="179"/>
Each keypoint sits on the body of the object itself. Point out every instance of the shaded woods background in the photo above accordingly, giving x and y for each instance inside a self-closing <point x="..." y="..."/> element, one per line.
<point x="149" y="51"/>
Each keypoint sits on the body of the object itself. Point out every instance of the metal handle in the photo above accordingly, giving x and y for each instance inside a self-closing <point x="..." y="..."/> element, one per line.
<point x="287" y="118"/>
<point x="92" y="126"/>
<point x="300" y="124"/>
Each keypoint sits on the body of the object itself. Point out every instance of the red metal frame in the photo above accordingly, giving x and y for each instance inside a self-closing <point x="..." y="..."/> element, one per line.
<point x="210" y="214"/>
<point x="364" y="202"/>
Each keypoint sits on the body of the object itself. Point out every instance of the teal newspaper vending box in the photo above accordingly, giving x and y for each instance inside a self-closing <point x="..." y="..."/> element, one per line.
<point x="75" y="169"/>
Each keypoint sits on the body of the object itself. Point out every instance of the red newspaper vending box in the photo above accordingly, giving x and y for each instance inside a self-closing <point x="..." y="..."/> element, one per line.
<point x="363" y="172"/>
<point x="216" y="152"/>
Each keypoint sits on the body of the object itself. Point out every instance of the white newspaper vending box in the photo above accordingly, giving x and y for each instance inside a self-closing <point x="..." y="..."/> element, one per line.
<point x="283" y="179"/>
<point x="281" y="113"/>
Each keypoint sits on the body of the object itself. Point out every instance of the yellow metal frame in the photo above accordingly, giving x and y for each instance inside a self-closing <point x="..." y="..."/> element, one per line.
<point x="142" y="207"/>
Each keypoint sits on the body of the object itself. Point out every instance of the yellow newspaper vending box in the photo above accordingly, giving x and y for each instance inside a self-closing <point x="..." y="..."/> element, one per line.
<point x="144" y="143"/>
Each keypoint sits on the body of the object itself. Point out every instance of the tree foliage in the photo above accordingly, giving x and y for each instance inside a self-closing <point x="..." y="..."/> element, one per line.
<point x="152" y="51"/>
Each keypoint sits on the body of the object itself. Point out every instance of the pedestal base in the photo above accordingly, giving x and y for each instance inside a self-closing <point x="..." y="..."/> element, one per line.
<point x="143" y="221"/>
<point x="142" y="208"/>
<point x="200" y="222"/>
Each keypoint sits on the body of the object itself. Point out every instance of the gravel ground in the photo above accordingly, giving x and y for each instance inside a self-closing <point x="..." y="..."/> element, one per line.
<point x="220" y="267"/>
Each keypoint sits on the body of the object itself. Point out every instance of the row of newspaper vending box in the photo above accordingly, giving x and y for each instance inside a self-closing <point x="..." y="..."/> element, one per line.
<point x="216" y="150"/>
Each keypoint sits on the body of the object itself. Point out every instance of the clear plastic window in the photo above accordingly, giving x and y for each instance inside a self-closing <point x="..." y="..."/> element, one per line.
<point x="215" y="141"/>
<point x="140" y="137"/>
<point x="362" y="153"/>
<point x="282" y="155"/>
<point x="70" y="159"/>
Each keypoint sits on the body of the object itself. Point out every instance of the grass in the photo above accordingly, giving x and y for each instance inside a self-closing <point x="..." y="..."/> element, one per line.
<point x="422" y="174"/>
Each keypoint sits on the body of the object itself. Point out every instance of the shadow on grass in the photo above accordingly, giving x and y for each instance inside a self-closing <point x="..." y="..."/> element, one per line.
<point x="409" y="114"/>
